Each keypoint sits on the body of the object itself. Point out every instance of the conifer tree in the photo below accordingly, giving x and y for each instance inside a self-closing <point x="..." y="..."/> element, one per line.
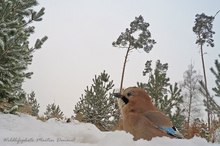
<point x="214" y="109"/>
<point x="165" y="96"/>
<point x="97" y="105"/>
<point x="175" y="100"/>
<point x="216" y="72"/>
<point x="158" y="82"/>
<point x="15" y="51"/>
<point x="32" y="101"/>
<point x="190" y="89"/>
<point x="134" y="38"/>
<point x="53" y="111"/>
<point x="204" y="33"/>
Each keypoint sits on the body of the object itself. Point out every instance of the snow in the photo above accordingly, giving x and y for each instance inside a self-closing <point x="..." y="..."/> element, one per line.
<point x="25" y="130"/>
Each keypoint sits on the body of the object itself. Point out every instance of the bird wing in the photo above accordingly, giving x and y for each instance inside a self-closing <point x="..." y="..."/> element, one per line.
<point x="163" y="123"/>
<point x="158" y="119"/>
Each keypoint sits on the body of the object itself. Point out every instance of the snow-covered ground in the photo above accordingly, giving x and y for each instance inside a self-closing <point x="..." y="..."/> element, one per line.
<point x="26" y="130"/>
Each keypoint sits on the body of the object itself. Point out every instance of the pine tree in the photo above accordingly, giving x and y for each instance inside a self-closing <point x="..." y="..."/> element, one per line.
<point x="217" y="76"/>
<point x="158" y="82"/>
<point x="53" y="111"/>
<point x="175" y="100"/>
<point x="190" y="89"/>
<point x="216" y="72"/>
<point x="97" y="105"/>
<point x="165" y="96"/>
<point x="129" y="40"/>
<point x="15" y="52"/>
<point x="32" y="101"/>
<point x="203" y="30"/>
<point x="214" y="108"/>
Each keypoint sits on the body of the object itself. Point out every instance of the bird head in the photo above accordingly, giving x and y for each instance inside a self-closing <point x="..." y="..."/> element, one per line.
<point x="133" y="96"/>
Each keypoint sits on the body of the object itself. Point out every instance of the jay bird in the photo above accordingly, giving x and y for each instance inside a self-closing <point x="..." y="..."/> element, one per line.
<point x="141" y="118"/>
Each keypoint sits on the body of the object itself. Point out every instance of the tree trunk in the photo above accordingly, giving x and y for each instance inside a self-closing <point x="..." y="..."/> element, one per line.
<point x="123" y="71"/>
<point x="206" y="87"/>
<point x="190" y="107"/>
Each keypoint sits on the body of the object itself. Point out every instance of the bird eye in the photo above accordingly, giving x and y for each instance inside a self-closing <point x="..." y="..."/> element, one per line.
<point x="129" y="94"/>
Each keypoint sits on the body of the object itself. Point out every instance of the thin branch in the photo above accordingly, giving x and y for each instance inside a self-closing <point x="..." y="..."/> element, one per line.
<point x="216" y="13"/>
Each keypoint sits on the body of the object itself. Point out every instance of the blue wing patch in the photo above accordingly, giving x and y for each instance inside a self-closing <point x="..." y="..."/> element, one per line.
<point x="169" y="130"/>
<point x="172" y="131"/>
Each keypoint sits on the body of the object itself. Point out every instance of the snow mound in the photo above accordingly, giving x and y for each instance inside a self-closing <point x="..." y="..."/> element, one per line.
<point x="25" y="130"/>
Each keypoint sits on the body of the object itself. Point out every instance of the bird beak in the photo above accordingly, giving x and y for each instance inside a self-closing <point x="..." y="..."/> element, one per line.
<point x="118" y="95"/>
<point x="122" y="97"/>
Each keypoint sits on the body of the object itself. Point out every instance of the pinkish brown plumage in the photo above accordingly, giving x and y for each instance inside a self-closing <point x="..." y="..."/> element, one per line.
<point x="141" y="118"/>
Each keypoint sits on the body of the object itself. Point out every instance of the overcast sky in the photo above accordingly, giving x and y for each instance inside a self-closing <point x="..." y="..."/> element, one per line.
<point x="81" y="33"/>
